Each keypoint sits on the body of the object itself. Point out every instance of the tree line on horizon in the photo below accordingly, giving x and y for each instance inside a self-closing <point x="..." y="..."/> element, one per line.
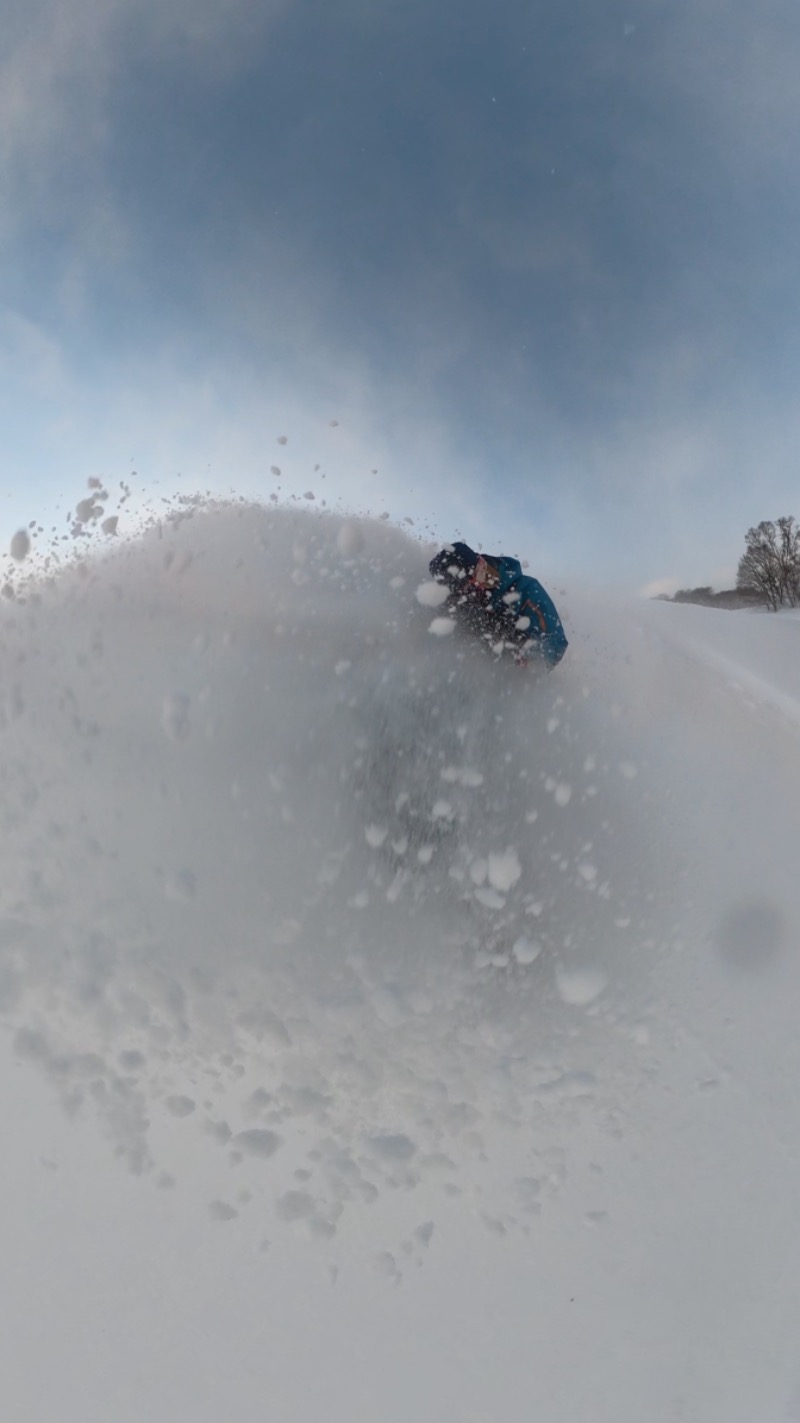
<point x="768" y="572"/>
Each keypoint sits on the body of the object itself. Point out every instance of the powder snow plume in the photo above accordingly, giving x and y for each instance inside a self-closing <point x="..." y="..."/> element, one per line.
<point x="285" y="868"/>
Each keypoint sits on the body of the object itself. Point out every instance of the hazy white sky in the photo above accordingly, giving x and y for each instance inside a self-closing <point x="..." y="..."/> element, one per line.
<point x="540" y="264"/>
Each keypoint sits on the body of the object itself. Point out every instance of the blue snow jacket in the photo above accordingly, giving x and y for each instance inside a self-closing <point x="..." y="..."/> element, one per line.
<point x="528" y="602"/>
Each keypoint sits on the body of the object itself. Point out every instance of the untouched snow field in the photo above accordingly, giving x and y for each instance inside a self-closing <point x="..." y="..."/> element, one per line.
<point x="392" y="1035"/>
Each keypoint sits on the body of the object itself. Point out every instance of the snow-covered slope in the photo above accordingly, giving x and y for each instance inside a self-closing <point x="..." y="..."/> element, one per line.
<point x="393" y="965"/>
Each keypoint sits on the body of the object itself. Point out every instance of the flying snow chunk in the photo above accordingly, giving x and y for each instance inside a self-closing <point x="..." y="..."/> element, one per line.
<point x="580" y="987"/>
<point x="180" y="1106"/>
<point x="275" y="469"/>
<point x="375" y="836"/>
<point x="504" y="871"/>
<point x="525" y="950"/>
<point x="432" y="595"/>
<point x="391" y="1146"/>
<point x="257" y="1141"/>
<point x="350" y="539"/>
<point x="88" y="509"/>
<point x="20" y="546"/>
<point x="490" y="899"/>
<point x="442" y="627"/>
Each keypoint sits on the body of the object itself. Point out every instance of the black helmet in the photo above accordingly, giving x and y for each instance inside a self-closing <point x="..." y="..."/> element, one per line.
<point x="453" y="564"/>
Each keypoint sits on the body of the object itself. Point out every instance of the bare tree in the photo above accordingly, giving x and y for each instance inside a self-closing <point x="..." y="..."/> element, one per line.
<point x="760" y="566"/>
<point x="789" y="559"/>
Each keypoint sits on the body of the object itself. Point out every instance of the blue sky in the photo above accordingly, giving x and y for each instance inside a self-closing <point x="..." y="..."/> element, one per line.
<point x="539" y="261"/>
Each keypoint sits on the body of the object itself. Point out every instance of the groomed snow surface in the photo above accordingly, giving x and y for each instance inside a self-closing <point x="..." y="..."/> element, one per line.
<point x="393" y="1035"/>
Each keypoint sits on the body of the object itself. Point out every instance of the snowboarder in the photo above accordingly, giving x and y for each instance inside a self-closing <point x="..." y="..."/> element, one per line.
<point x="491" y="597"/>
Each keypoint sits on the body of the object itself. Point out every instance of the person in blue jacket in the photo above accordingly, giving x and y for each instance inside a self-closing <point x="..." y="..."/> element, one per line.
<point x="491" y="596"/>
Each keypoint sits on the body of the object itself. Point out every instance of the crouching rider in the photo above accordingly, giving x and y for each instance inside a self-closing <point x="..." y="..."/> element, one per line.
<point x="491" y="596"/>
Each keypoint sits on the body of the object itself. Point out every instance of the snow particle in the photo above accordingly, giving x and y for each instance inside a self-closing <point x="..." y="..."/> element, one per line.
<point x="580" y="987"/>
<point x="220" y="1210"/>
<point x="20" y="546"/>
<point x="257" y="1141"/>
<point x="431" y="595"/>
<point x="87" y="510"/>
<point x="490" y="899"/>
<point x="442" y="810"/>
<point x="391" y="1147"/>
<point x="180" y="1106"/>
<point x="504" y="870"/>
<point x="350" y="539"/>
<point x="526" y="951"/>
<point x="442" y="627"/>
